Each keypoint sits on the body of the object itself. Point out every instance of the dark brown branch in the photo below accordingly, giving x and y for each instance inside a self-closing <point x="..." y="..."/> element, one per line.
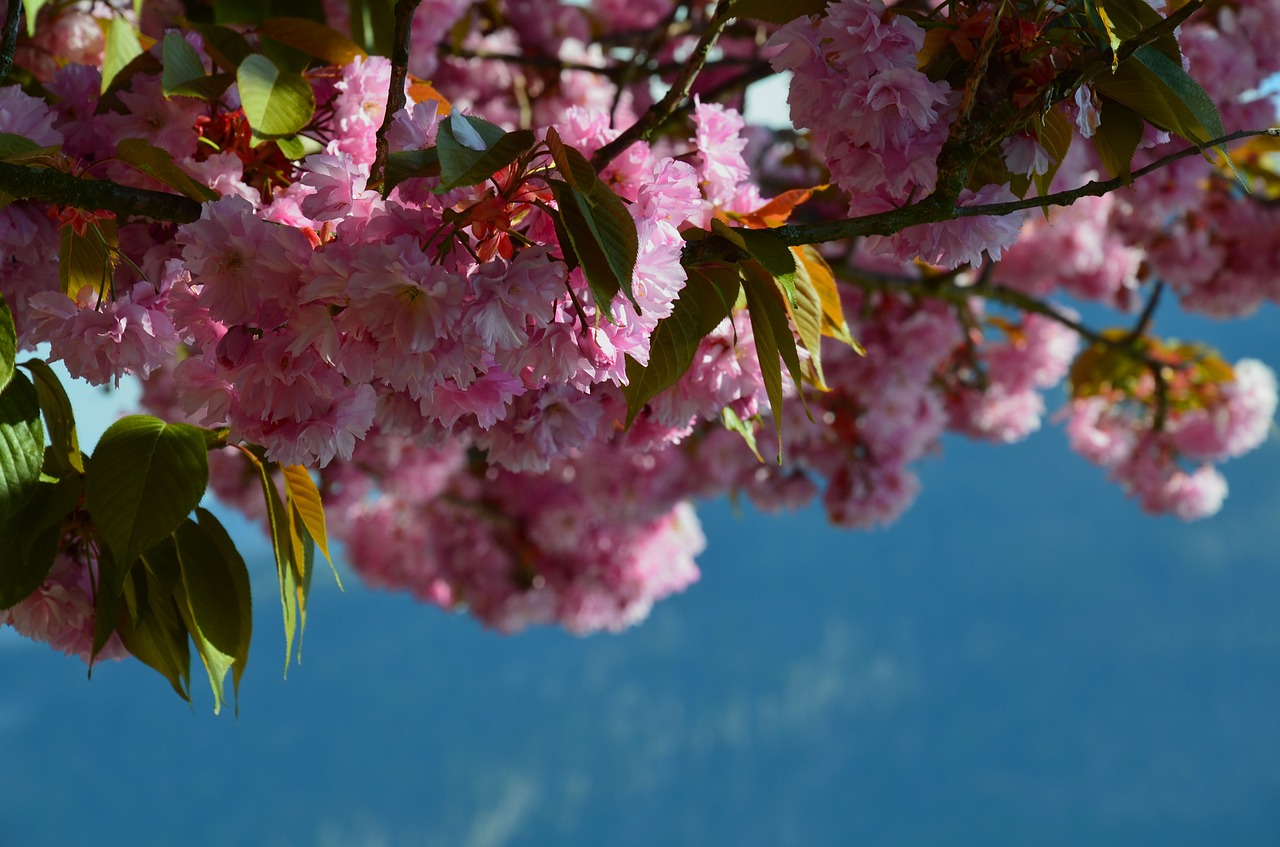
<point x="656" y="115"/>
<point x="50" y="186"/>
<point x="934" y="208"/>
<point x="9" y="37"/>
<point x="395" y="89"/>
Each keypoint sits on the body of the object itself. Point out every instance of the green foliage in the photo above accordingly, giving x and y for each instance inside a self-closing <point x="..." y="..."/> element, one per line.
<point x="122" y="47"/>
<point x="214" y="601"/>
<point x="29" y="537"/>
<point x="470" y="156"/>
<point x="410" y="164"/>
<point x="601" y="232"/>
<point x="276" y="102"/>
<point x="707" y="299"/>
<point x="21" y="444"/>
<point x="142" y="481"/>
<point x="62" y="457"/>
<point x="158" y="164"/>
<point x="88" y="259"/>
<point x="766" y="307"/>
<point x="8" y="345"/>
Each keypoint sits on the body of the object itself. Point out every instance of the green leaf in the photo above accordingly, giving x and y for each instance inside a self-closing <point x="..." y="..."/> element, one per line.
<point x="21" y="444"/>
<point x="226" y="47"/>
<point x="706" y="299"/>
<point x="240" y="577"/>
<point x="296" y="147"/>
<point x="19" y="149"/>
<point x="775" y="256"/>
<point x="88" y="259"/>
<point x="1055" y="135"/>
<point x="210" y="603"/>
<point x="290" y="560"/>
<point x="773" y="339"/>
<point x="1195" y="109"/>
<point x="598" y="223"/>
<point x="63" y="456"/>
<point x="122" y="47"/>
<point x="410" y="164"/>
<point x="151" y="626"/>
<point x="142" y="481"/>
<point x="210" y="87"/>
<point x="1118" y="135"/>
<point x="1163" y="94"/>
<point x="312" y="38"/>
<point x="29" y="538"/>
<point x="276" y="103"/>
<point x="159" y="164"/>
<point x="8" y="344"/>
<point x="462" y="165"/>
<point x="32" y="9"/>
<point x="1125" y="19"/>
<point x="729" y="418"/>
<point x="181" y="63"/>
<point x="775" y="12"/>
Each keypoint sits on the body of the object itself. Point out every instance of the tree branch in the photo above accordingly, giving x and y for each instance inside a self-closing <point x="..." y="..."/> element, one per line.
<point x="395" y="89"/>
<point x="9" y="37"/>
<point x="657" y="114"/>
<point x="935" y="208"/>
<point x="50" y="186"/>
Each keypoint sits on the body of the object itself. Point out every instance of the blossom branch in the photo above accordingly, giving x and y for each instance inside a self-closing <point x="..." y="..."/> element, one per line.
<point x="936" y="208"/>
<point x="946" y="288"/>
<point x="395" y="89"/>
<point x="50" y="186"/>
<point x="656" y="115"/>
<point x="9" y="36"/>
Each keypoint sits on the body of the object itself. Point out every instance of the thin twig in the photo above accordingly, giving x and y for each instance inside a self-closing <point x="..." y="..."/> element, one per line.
<point x="9" y="37"/>
<point x="395" y="89"/>
<point x="657" y="114"/>
<point x="952" y="292"/>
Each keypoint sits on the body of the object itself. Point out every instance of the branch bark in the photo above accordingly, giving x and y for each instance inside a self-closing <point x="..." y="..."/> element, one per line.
<point x="9" y="37"/>
<point x="395" y="89"/>
<point x="50" y="186"/>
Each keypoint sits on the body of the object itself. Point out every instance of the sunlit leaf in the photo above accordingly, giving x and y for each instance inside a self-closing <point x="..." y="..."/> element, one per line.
<point x="21" y="444"/>
<point x="275" y="102"/>
<point x="88" y="259"/>
<point x="144" y="478"/>
<point x="158" y="164"/>
<point x="63" y="456"/>
<point x="211" y="602"/>
<point x="122" y="47"/>
<point x="8" y="344"/>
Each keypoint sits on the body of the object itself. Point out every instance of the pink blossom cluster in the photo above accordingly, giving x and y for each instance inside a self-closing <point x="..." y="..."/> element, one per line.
<point x="1172" y="470"/>
<point x="460" y="388"/>
<point x="60" y="612"/>
<point x="879" y="123"/>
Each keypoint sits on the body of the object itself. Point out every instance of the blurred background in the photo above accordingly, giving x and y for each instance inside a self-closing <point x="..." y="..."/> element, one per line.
<point x="1024" y="658"/>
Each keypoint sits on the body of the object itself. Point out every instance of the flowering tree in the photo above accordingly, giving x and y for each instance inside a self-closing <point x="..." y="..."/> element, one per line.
<point x="456" y="271"/>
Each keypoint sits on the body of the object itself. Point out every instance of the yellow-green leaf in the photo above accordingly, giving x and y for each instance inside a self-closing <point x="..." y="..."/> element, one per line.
<point x="122" y="47"/>
<point x="276" y="103"/>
